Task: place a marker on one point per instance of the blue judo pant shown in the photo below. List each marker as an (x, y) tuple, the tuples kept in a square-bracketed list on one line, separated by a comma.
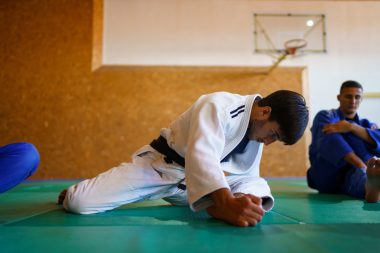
[(18, 161), (326, 178)]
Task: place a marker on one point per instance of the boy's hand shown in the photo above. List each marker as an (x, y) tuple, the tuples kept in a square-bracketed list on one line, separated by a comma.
[(239, 210)]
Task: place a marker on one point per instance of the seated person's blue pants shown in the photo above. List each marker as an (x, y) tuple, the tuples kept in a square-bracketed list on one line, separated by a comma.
[(327, 178), (18, 161)]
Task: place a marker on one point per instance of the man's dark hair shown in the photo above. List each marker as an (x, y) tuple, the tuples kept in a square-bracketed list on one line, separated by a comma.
[(289, 110), (350, 84)]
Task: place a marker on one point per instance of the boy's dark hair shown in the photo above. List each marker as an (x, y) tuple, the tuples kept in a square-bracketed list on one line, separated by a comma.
[(350, 84), (289, 110)]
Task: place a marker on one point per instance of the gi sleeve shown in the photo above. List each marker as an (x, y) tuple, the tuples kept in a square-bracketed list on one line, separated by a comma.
[(374, 132), (375, 135), (252, 185), (203, 171)]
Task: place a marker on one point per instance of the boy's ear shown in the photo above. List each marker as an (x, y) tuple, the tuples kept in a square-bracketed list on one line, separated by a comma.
[(265, 112)]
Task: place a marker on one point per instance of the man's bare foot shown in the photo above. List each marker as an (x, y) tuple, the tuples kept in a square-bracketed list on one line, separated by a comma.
[(373, 172), (62, 196), (373, 180)]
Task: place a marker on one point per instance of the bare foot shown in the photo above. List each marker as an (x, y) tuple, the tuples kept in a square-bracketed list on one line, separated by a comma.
[(373, 172), (62, 197), (373, 180)]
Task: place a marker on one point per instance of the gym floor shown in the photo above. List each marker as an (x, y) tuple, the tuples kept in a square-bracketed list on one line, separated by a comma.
[(301, 221)]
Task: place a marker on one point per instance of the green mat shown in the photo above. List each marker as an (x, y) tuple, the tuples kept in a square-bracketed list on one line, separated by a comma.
[(301, 221)]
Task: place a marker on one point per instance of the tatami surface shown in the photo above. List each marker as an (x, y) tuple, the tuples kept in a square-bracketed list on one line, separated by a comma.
[(302, 221)]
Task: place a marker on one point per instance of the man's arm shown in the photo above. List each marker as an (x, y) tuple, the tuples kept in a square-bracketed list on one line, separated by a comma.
[(239, 209), (344, 126), (331, 147), (354, 160)]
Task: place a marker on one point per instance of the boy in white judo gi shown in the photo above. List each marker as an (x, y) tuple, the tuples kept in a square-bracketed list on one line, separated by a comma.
[(207, 158)]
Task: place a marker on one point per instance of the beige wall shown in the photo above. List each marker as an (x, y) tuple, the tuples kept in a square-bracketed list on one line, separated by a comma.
[(222, 33), (85, 118)]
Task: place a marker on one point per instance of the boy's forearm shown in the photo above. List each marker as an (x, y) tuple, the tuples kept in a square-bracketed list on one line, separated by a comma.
[(221, 196)]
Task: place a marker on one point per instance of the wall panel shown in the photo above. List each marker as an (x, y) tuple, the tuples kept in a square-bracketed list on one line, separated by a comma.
[(84, 118)]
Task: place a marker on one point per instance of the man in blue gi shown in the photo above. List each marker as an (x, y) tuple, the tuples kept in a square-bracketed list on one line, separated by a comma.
[(18, 161), (343, 149)]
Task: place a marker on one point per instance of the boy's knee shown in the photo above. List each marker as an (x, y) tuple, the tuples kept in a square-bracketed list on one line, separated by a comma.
[(75, 202)]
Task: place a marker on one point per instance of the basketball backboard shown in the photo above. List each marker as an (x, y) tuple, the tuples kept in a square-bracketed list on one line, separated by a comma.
[(272, 31)]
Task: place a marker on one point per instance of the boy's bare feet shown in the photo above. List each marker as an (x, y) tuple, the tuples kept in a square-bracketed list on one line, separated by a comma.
[(373, 180), (62, 196)]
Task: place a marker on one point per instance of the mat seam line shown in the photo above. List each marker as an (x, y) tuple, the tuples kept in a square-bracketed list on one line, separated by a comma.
[(30, 216), (289, 217)]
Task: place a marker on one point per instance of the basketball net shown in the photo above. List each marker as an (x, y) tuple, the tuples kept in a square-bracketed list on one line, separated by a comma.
[(291, 47)]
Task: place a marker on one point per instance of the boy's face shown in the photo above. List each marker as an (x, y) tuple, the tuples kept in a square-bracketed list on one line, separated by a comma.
[(349, 100), (264, 131)]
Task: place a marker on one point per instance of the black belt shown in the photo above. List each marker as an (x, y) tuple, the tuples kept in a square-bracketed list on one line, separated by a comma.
[(161, 145)]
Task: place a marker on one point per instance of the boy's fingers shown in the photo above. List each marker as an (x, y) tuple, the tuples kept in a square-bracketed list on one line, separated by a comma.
[(257, 200)]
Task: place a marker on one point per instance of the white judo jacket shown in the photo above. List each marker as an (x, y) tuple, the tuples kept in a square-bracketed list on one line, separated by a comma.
[(205, 134)]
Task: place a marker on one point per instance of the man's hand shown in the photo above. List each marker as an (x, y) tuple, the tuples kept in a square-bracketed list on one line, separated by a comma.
[(342, 126), (240, 210), (355, 160)]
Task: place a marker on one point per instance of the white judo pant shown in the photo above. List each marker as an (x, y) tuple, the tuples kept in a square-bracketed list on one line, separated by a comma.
[(147, 177)]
